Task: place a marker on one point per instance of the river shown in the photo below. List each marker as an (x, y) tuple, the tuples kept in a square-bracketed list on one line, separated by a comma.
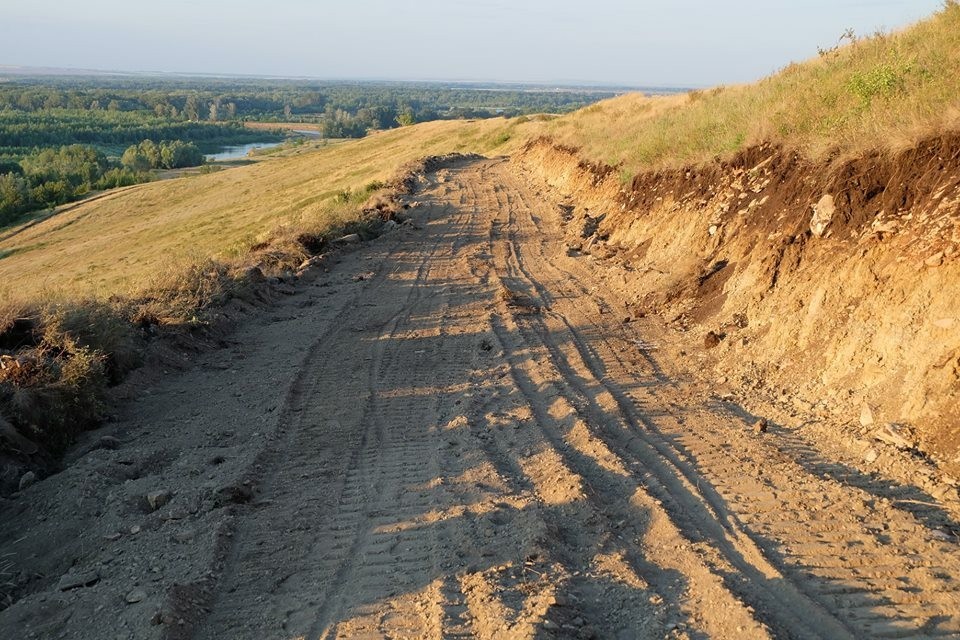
[(239, 151)]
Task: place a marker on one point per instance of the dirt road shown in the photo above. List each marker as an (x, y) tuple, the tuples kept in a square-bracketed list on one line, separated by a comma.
[(455, 433)]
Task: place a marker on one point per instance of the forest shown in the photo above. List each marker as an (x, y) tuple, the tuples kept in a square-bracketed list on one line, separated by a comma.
[(62, 137)]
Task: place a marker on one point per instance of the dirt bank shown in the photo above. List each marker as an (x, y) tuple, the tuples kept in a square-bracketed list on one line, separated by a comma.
[(830, 288)]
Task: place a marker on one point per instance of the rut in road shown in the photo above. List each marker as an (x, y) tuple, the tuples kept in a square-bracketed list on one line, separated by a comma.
[(475, 450)]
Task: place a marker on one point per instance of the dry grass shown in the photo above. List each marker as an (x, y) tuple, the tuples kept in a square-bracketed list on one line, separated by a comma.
[(121, 243), (7, 579), (53, 386), (886, 91)]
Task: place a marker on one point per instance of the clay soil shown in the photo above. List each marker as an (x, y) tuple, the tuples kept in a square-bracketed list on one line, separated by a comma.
[(466, 429)]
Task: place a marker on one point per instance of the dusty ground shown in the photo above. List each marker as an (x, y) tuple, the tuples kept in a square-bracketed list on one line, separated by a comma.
[(459, 432)]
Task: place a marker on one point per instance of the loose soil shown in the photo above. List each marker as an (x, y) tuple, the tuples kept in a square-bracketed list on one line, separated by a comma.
[(462, 430)]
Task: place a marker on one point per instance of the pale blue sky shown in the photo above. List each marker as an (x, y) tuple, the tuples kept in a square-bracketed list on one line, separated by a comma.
[(662, 43)]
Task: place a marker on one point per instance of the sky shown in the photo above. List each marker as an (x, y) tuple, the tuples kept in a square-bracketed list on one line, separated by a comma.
[(679, 43)]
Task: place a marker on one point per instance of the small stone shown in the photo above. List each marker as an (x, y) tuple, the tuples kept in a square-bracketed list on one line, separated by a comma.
[(166, 618), (186, 535), (895, 435), (943, 536), (27, 479), (113, 537), (350, 238), (866, 415), (935, 260), (760, 426), (156, 499), (177, 514), (712, 339), (550, 625), (870, 456), (135, 596), (135, 529), (77, 580)]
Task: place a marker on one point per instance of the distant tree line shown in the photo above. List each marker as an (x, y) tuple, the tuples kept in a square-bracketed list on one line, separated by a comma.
[(343, 109), (61, 137), (51, 177), (21, 130)]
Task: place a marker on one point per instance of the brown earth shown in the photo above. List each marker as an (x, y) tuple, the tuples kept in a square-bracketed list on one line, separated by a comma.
[(479, 426)]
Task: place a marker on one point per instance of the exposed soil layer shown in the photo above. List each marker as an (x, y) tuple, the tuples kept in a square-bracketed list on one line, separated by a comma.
[(835, 285), (464, 430)]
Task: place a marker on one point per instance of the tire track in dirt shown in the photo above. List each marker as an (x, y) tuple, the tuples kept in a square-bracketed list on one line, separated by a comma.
[(395, 554), (564, 553), (340, 445)]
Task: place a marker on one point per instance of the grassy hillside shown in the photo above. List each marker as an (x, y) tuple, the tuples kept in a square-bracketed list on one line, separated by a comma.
[(123, 241), (884, 91)]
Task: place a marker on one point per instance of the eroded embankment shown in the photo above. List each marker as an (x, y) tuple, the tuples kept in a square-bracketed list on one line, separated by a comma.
[(834, 285)]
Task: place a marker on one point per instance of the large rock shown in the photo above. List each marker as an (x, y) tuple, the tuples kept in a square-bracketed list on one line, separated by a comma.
[(896, 435), (158, 498), (822, 215), (27, 479), (75, 580)]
